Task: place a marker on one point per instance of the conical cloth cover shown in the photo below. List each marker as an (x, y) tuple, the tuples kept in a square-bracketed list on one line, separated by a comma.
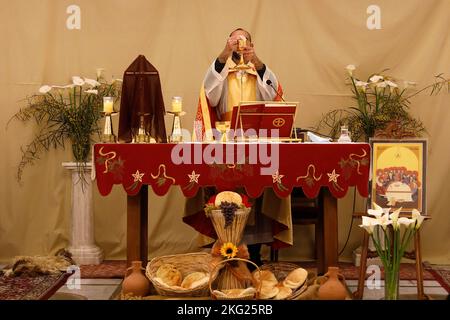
[(141, 94)]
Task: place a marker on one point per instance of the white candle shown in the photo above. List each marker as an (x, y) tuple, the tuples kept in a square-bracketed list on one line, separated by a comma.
[(176, 104), (108, 105)]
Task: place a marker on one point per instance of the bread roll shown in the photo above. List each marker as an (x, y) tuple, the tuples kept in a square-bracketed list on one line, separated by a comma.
[(296, 278), (283, 292), (169, 274), (194, 279), (266, 276), (228, 196), (268, 291)]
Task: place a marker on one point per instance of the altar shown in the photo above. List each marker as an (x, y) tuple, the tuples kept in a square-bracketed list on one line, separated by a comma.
[(328, 168)]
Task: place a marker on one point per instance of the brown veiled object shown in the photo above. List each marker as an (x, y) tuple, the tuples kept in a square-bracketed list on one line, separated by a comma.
[(141, 95)]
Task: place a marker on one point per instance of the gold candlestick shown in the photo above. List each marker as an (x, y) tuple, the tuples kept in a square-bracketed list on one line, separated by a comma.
[(108, 131), (176, 135), (142, 136)]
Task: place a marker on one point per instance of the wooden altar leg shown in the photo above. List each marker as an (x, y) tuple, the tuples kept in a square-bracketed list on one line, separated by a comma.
[(330, 232), (419, 268), (137, 227), (362, 267)]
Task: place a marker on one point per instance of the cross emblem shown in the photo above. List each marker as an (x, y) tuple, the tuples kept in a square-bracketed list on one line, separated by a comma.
[(278, 122)]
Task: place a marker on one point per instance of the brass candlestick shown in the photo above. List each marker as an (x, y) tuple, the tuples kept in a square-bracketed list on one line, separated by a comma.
[(176, 135), (142, 136), (108, 131)]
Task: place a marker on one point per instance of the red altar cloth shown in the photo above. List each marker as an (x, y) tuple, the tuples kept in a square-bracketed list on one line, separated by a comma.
[(311, 166)]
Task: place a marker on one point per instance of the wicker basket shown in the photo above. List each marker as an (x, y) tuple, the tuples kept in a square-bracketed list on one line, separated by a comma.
[(220, 266), (282, 269), (186, 264)]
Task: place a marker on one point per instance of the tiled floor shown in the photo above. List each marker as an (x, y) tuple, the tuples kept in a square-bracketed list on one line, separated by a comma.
[(104, 289)]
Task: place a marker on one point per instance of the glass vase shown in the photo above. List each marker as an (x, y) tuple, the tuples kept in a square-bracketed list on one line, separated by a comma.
[(391, 284)]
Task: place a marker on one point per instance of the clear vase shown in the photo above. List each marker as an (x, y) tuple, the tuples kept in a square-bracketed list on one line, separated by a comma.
[(391, 284)]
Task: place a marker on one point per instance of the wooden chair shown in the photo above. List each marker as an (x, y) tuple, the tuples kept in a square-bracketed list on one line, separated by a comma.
[(306, 211)]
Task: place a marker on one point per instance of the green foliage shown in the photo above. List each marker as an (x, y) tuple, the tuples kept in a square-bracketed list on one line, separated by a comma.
[(379, 102), (65, 114)]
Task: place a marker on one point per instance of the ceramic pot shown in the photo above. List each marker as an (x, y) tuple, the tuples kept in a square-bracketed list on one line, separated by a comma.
[(135, 282), (332, 288)]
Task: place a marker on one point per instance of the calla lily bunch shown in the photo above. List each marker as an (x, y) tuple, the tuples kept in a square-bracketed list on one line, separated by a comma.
[(391, 235), (380, 101), (66, 113)]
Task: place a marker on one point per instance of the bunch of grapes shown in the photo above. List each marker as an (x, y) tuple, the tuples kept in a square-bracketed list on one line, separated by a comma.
[(228, 210)]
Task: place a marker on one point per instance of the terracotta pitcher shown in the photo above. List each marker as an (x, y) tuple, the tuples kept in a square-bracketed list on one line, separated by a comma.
[(332, 288), (135, 283)]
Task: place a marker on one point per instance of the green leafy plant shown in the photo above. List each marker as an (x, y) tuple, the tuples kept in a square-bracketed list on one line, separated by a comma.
[(69, 113), (381, 103)]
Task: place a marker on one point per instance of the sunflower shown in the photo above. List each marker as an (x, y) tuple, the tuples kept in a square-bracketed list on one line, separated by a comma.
[(228, 250)]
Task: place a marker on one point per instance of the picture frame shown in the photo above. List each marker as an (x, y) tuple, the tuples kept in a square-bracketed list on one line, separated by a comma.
[(398, 174)]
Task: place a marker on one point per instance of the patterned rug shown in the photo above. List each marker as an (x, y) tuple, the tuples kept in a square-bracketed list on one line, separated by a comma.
[(442, 276), (117, 268), (30, 288)]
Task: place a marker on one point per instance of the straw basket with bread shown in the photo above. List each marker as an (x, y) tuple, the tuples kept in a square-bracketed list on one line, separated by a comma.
[(181, 275)]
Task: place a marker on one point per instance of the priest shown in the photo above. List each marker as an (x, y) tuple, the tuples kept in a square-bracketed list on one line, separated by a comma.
[(236, 75)]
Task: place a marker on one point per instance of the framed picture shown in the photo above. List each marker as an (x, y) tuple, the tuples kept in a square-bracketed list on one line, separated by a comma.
[(399, 174)]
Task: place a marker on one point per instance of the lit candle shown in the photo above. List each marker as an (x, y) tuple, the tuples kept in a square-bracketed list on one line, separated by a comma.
[(176, 104), (108, 105)]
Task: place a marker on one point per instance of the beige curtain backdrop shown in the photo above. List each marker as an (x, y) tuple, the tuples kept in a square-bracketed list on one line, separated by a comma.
[(306, 43)]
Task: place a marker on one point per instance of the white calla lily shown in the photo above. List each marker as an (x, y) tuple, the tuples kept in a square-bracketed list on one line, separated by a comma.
[(45, 89), (406, 221), (376, 213), (99, 72), (350, 68), (376, 78), (77, 81), (407, 84), (394, 218), (93, 83), (369, 224), (382, 84), (391, 84), (417, 217), (92, 91)]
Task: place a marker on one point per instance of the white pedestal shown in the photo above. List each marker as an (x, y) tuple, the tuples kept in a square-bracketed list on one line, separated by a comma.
[(82, 243)]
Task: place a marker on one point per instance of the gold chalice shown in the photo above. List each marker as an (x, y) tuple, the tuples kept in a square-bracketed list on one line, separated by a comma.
[(223, 127), (242, 43)]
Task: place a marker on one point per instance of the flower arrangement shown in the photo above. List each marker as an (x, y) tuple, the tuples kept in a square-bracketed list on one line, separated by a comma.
[(66, 113), (228, 250), (391, 240), (382, 104)]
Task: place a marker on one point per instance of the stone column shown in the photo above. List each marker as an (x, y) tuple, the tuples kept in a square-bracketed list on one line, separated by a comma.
[(82, 242)]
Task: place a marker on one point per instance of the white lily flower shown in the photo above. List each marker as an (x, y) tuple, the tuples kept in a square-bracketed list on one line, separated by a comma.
[(382, 84), (45, 89), (350, 68), (92, 91), (369, 224), (391, 84), (376, 78), (406, 221), (417, 217), (99, 72), (93, 83), (77, 81), (407, 84), (376, 213), (394, 218)]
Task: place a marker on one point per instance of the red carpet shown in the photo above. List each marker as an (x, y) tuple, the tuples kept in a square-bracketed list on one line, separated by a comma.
[(31, 288), (117, 268)]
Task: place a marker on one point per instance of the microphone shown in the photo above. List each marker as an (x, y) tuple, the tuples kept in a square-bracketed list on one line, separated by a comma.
[(269, 82)]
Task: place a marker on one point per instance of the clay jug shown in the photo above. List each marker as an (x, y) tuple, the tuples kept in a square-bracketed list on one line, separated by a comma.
[(135, 282), (332, 288)]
